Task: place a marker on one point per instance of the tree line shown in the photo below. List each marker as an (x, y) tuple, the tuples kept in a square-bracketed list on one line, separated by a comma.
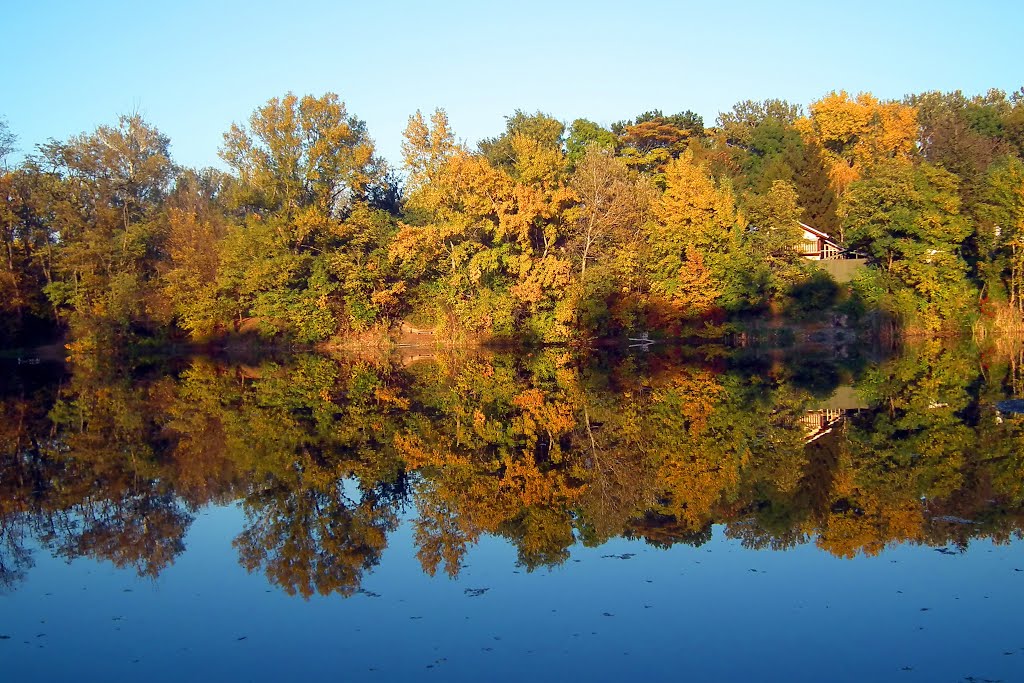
[(548, 231)]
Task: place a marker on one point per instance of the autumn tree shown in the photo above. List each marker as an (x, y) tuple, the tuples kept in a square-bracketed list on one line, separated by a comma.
[(547, 132), (695, 220), (490, 234), (612, 204), (652, 140), (427, 147), (106, 205), (27, 235), (8, 140), (307, 257), (195, 226), (302, 153), (857, 133)]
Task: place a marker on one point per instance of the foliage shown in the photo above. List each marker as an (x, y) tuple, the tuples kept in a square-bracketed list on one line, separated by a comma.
[(544, 233), (907, 219), (324, 455)]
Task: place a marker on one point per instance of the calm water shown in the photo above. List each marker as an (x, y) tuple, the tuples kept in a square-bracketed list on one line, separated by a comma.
[(687, 516)]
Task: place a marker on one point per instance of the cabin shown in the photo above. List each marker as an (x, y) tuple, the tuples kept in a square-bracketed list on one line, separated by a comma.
[(818, 246)]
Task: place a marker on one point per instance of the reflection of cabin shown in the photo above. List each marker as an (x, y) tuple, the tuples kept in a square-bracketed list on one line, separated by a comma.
[(818, 246), (828, 414), (818, 423)]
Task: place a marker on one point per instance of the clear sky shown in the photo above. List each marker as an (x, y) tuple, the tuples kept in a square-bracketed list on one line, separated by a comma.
[(192, 67)]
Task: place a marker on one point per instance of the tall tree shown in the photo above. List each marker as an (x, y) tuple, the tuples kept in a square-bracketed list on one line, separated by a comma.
[(427, 147), (542, 128), (651, 141), (7, 141), (112, 185), (907, 219), (582, 134), (613, 204), (695, 218), (740, 122), (952, 137), (1000, 214), (857, 133), (28, 239), (304, 152)]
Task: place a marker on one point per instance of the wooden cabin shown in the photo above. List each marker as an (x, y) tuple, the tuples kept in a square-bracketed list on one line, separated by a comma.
[(818, 246)]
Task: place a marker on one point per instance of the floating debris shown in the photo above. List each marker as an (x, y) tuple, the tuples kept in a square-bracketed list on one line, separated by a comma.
[(475, 592), (623, 556)]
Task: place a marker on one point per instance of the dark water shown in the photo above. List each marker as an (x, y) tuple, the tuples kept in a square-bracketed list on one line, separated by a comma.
[(679, 516)]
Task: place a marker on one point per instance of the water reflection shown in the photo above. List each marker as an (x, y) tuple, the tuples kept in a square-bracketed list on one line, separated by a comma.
[(326, 455)]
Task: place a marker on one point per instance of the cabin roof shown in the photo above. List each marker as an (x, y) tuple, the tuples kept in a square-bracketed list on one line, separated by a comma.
[(815, 231)]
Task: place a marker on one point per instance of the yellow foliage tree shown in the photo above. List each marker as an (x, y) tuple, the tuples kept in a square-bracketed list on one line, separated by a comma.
[(695, 218), (427, 147), (856, 133)]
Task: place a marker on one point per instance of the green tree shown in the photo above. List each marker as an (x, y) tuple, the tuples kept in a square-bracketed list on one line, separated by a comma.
[(1000, 212), (740, 122), (582, 134), (907, 220)]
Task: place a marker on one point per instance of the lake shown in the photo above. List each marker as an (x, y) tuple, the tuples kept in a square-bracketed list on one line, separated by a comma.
[(700, 514)]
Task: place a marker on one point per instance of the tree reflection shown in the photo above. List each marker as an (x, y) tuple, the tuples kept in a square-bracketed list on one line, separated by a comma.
[(313, 541), (544, 450)]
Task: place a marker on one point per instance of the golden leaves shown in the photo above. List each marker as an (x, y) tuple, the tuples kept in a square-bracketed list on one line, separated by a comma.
[(857, 133)]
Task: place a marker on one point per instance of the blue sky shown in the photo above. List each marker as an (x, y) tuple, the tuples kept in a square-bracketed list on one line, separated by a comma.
[(192, 68)]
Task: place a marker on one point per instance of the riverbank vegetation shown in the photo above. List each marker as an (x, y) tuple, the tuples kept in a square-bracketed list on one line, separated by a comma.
[(548, 232)]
